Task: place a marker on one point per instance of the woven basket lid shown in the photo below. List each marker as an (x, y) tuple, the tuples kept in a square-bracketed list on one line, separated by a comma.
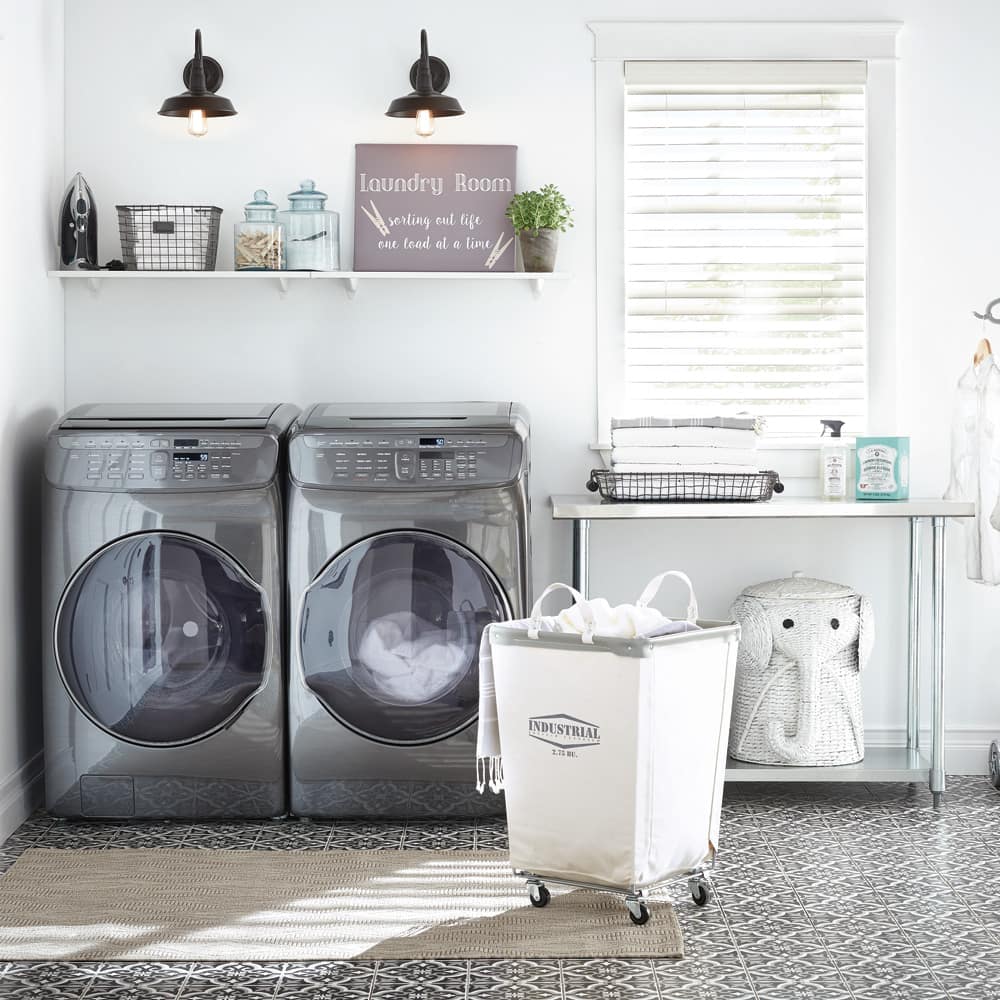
[(798, 587)]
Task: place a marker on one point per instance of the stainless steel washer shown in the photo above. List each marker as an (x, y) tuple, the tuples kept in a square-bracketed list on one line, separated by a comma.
[(163, 575), (408, 534)]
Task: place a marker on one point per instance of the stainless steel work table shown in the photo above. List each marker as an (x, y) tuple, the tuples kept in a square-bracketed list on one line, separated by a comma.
[(881, 763)]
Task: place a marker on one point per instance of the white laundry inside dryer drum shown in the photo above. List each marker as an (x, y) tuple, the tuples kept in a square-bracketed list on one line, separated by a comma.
[(407, 660)]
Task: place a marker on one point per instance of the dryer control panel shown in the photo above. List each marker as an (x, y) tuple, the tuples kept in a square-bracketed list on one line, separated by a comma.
[(160, 460), (407, 460)]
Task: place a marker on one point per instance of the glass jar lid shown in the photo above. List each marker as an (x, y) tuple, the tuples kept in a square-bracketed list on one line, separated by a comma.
[(260, 209), (307, 198)]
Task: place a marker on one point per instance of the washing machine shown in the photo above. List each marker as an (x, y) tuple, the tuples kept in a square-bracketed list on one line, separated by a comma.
[(408, 535), (164, 582)]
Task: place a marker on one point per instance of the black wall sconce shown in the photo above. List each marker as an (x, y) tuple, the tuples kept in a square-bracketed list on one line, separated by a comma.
[(429, 78), (202, 77)]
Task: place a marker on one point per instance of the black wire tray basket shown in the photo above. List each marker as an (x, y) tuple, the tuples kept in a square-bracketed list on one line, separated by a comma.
[(684, 487), (169, 237)]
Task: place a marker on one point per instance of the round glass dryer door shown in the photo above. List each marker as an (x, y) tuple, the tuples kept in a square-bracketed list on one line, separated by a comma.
[(390, 635), (161, 639)]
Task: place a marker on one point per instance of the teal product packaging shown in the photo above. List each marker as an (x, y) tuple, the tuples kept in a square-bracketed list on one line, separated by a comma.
[(883, 468)]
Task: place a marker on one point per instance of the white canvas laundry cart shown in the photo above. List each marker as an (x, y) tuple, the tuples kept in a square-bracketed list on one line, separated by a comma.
[(614, 754)]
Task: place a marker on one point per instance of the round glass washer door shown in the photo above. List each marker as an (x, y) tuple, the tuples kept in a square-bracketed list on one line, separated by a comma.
[(389, 635), (161, 639)]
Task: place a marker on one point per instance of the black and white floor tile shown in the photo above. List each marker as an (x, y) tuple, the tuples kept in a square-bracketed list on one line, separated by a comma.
[(830, 892)]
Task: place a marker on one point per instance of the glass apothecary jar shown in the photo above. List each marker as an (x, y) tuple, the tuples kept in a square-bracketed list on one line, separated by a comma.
[(260, 238), (312, 234)]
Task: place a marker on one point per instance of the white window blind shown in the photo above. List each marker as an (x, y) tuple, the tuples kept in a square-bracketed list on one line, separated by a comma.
[(745, 235)]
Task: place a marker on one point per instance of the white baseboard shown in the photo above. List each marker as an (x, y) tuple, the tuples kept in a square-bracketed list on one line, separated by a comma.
[(21, 794), (966, 750)]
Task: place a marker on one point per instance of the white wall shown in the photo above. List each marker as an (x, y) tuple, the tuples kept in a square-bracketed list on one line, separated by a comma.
[(31, 370), (524, 75)]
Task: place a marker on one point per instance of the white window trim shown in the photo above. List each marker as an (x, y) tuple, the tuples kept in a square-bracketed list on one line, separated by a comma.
[(617, 42)]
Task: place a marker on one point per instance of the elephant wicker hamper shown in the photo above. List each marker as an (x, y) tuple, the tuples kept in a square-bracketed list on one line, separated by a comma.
[(798, 675)]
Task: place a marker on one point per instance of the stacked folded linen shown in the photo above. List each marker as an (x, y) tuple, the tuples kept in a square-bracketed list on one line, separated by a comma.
[(685, 444)]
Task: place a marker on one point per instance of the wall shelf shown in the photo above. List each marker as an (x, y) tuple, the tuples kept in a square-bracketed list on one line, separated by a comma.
[(351, 280)]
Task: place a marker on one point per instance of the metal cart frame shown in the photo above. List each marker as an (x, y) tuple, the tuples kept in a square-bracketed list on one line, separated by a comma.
[(636, 899), (907, 763)]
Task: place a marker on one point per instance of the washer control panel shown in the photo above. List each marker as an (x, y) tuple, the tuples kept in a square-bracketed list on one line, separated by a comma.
[(160, 460), (410, 460)]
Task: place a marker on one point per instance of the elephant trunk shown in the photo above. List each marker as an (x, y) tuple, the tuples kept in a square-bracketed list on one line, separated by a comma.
[(799, 749)]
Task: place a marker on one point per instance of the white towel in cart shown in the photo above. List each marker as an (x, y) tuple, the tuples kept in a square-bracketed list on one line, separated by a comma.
[(596, 617)]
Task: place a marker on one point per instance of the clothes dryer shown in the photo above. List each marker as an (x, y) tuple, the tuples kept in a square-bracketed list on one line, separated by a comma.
[(408, 535), (163, 575)]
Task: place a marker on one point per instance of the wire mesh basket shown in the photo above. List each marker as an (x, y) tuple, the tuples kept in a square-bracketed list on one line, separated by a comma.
[(684, 487), (169, 237)]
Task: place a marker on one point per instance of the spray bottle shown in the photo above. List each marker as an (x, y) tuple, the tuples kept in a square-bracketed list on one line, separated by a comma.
[(833, 461)]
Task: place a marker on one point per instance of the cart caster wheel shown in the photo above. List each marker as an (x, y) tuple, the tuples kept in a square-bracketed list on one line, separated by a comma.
[(995, 764), (539, 894), (638, 911), (700, 892)]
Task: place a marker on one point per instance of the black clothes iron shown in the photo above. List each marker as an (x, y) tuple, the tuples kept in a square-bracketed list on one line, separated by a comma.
[(78, 227)]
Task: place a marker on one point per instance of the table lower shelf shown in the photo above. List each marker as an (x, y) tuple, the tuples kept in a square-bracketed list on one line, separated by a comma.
[(880, 764)]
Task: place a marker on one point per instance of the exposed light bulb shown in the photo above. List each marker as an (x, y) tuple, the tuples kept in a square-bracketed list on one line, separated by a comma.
[(197, 122), (425, 122)]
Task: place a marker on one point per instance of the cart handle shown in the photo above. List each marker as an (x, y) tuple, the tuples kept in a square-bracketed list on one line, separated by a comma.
[(654, 585), (537, 609)]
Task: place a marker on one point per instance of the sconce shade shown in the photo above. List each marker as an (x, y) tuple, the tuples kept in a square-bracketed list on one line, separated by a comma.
[(202, 77), (429, 76)]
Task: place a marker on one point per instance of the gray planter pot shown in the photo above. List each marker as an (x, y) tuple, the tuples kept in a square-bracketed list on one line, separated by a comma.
[(539, 252)]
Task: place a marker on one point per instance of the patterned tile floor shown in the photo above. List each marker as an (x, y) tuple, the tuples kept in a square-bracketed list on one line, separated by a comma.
[(823, 892)]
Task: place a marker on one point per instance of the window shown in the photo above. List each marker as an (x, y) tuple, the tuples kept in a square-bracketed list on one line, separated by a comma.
[(745, 240), (745, 221)]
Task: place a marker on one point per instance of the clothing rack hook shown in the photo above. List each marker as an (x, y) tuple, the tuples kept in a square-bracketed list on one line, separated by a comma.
[(988, 312)]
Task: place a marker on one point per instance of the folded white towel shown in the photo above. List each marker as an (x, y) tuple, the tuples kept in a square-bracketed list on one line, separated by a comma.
[(705, 437), (683, 456), (743, 420), (683, 469)]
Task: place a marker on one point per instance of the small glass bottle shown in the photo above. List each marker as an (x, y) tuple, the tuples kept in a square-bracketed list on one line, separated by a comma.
[(312, 233), (260, 238)]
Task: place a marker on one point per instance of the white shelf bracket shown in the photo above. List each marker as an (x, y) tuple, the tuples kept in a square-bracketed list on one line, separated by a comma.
[(537, 284), (282, 285), (94, 284), (351, 285)]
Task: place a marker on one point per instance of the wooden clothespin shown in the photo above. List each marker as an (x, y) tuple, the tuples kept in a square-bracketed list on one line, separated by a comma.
[(983, 350)]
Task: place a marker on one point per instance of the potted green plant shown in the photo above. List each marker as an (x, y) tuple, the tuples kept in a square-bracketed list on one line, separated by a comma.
[(539, 217)]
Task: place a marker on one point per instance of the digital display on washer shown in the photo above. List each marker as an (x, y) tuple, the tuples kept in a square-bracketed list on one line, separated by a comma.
[(190, 456), (185, 442), (437, 454), (432, 442)]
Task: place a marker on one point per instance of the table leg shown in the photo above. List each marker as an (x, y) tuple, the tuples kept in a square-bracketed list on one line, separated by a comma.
[(581, 554), (913, 641), (937, 777)]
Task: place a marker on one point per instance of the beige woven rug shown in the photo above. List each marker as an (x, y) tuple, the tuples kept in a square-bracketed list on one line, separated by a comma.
[(219, 906)]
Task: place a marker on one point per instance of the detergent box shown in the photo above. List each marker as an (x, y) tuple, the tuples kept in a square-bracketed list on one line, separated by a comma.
[(882, 468)]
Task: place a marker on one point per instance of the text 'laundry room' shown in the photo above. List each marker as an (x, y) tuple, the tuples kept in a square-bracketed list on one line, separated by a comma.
[(502, 502)]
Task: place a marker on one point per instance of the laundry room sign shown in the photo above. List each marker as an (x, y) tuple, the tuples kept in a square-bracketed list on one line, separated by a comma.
[(433, 208)]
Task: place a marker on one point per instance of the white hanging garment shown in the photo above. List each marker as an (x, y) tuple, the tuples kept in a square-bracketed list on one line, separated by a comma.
[(975, 467)]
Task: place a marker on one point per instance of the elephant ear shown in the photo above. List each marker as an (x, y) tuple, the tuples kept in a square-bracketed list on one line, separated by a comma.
[(755, 632), (866, 632)]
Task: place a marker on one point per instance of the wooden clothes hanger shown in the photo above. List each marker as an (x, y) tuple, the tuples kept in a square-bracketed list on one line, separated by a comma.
[(983, 348)]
